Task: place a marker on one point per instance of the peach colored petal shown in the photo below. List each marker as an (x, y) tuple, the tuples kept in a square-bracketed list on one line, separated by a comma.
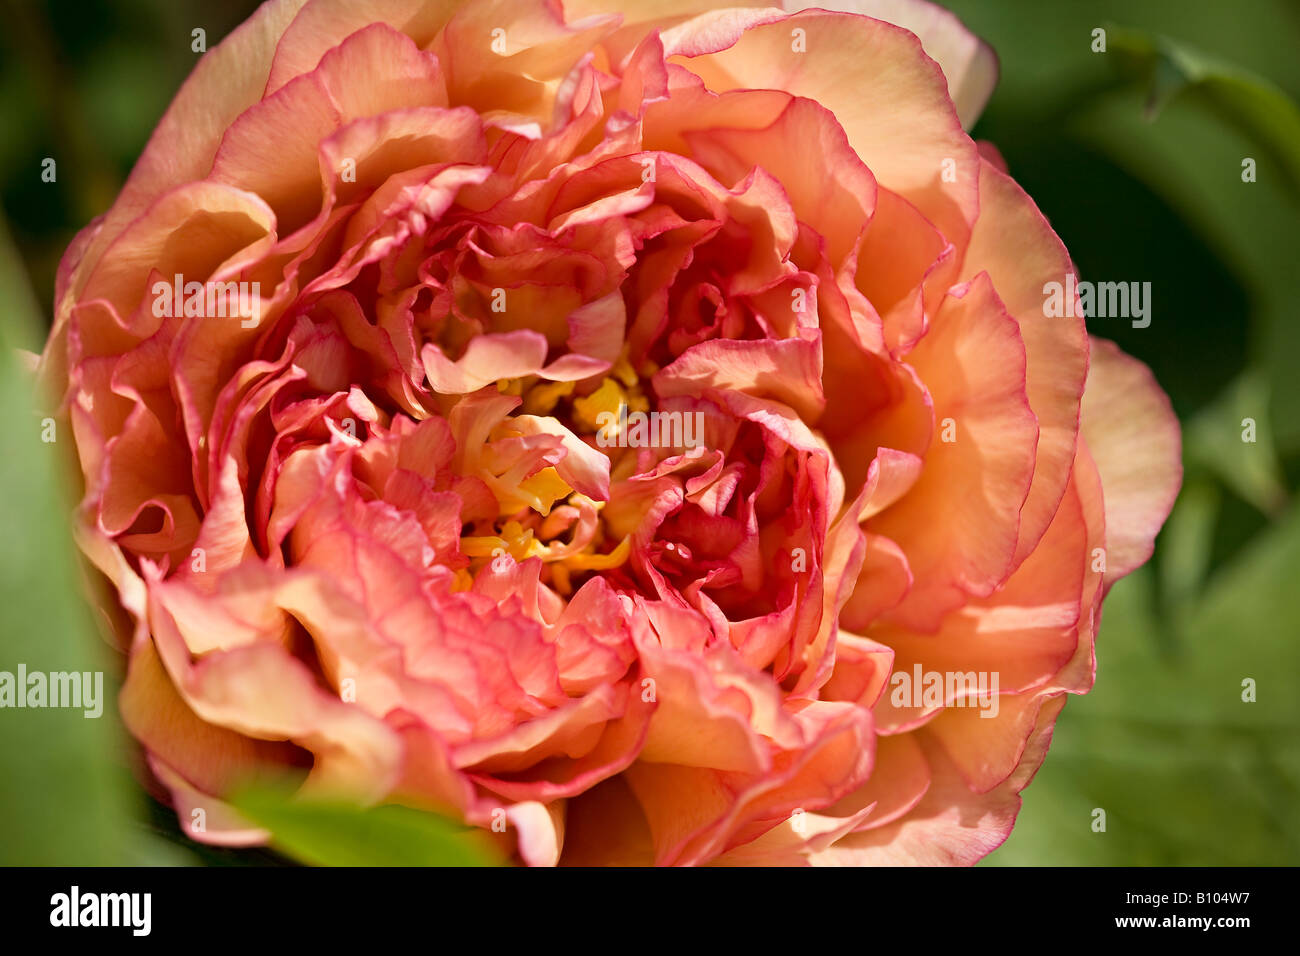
[(218, 223), (563, 775), (582, 467), (378, 69), (1026, 632), (429, 778), (699, 723), (904, 267), (227, 80), (605, 826), (1014, 244), (891, 475), (1134, 439), (838, 201), (968, 62), (790, 842), (323, 24), (950, 825), (882, 583), (645, 11), (899, 779), (787, 370), (708, 31), (221, 823), (223, 540), (958, 525), (696, 813), (208, 757), (889, 412), (862, 669), (572, 729), (517, 87), (987, 750), (1078, 674), (539, 830), (262, 691), (488, 358), (903, 131)]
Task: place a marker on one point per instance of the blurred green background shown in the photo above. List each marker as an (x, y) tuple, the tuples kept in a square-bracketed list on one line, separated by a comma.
[(1134, 154)]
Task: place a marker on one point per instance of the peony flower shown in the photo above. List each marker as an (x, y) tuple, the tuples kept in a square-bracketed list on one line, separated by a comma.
[(634, 430)]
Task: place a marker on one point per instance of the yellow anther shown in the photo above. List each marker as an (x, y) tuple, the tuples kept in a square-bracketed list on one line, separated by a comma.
[(600, 562), (624, 372), (514, 540), (511, 386), (607, 398), (481, 547), (542, 398), (544, 488), (560, 578)]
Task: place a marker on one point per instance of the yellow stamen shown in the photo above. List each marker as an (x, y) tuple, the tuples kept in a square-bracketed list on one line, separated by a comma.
[(601, 562), (545, 488), (607, 398), (560, 578), (540, 492), (624, 372), (481, 547), (542, 398)]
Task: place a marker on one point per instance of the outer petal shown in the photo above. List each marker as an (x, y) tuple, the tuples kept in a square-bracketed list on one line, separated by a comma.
[(968, 62), (227, 80), (904, 130), (1016, 246), (951, 825), (958, 524), (323, 24), (222, 825), (1135, 442)]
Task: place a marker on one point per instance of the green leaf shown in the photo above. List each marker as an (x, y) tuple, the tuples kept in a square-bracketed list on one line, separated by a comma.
[(1233, 439), (1188, 538), (327, 833), (20, 322), (1241, 98), (66, 798)]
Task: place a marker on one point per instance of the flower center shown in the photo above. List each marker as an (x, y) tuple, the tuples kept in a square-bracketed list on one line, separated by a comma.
[(540, 515)]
